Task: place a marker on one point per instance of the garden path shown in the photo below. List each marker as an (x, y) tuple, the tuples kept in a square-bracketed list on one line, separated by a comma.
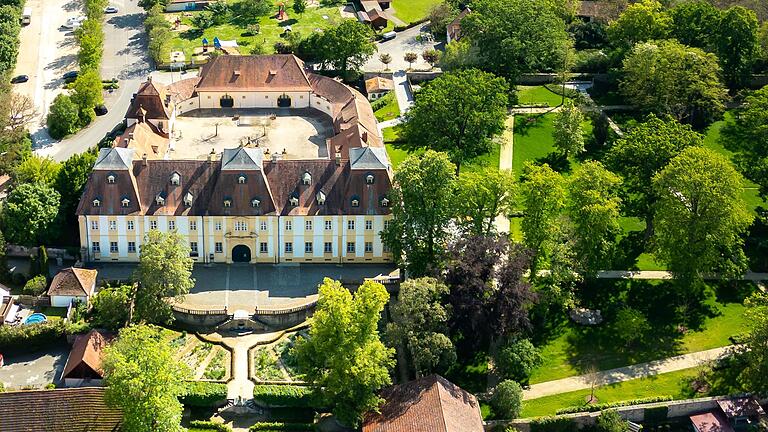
[(402, 91), (625, 373), (505, 164)]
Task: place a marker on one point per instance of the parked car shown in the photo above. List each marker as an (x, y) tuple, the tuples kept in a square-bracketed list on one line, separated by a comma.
[(110, 9), (19, 79), (100, 110), (388, 36), (70, 76)]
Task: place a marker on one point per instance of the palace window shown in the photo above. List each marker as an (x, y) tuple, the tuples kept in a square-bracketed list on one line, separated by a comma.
[(217, 226), (171, 225), (369, 225), (328, 225), (384, 202), (263, 225), (263, 247), (355, 202), (369, 179), (255, 202), (227, 203), (97, 203), (308, 225), (125, 202), (218, 247), (350, 247), (131, 247), (288, 247), (193, 225), (129, 225), (95, 247), (306, 179), (112, 225), (350, 224), (193, 249), (368, 247), (111, 179), (241, 179), (112, 247), (320, 198), (160, 200), (307, 247), (328, 248), (153, 225), (288, 225), (94, 225), (175, 179)]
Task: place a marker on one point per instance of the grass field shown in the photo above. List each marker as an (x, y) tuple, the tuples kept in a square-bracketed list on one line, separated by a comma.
[(389, 111), (537, 95), (668, 384), (412, 10)]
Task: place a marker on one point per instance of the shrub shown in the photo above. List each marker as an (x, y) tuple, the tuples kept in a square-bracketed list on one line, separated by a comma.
[(285, 395), (28, 338), (610, 421), (553, 424), (203, 394), (209, 425), (36, 286), (517, 360), (280, 427), (507, 399), (608, 405)]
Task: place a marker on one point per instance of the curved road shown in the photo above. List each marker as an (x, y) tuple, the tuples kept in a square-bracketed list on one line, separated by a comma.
[(125, 58)]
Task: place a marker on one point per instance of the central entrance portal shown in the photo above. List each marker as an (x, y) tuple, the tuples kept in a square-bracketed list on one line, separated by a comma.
[(284, 101), (241, 253)]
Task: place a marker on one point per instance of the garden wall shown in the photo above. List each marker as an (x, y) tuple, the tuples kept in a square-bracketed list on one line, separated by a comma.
[(200, 319)]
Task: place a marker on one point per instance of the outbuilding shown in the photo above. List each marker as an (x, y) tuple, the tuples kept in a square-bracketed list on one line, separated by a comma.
[(72, 284)]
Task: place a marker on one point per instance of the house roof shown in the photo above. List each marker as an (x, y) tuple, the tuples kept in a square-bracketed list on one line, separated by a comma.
[(454, 28), (114, 159), (73, 281), (144, 139), (60, 410), (600, 10), (242, 158), (86, 352), (429, 404), (712, 421), (741, 407), (150, 102), (379, 84), (367, 158), (278, 72)]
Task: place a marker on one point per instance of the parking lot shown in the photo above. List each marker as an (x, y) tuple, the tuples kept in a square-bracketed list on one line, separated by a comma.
[(36, 369)]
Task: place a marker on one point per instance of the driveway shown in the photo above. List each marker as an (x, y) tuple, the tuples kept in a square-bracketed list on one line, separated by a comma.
[(405, 41), (36, 369), (125, 58)]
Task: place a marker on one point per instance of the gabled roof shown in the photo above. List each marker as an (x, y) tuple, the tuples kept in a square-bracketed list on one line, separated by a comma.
[(379, 84), (277, 72), (144, 139), (367, 158), (429, 404), (73, 281), (86, 356), (61, 410), (114, 159), (242, 159)]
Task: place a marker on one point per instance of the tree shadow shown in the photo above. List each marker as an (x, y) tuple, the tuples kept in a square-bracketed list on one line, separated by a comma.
[(191, 34), (525, 124), (557, 161), (628, 250), (288, 22)]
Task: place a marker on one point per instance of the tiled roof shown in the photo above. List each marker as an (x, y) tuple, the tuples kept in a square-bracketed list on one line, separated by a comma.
[(73, 281), (711, 421), (183, 89), (378, 84), (242, 158), (144, 139), (85, 358), (149, 101), (114, 159), (367, 158), (60, 410), (278, 72), (429, 404)]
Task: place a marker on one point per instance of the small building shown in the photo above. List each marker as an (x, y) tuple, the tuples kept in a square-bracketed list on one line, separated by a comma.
[(60, 410), (83, 368), (429, 404), (72, 284), (598, 11), (372, 13), (185, 5), (731, 414), (453, 31), (377, 87)]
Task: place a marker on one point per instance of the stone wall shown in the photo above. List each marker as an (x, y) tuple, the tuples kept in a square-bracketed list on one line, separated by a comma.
[(200, 319)]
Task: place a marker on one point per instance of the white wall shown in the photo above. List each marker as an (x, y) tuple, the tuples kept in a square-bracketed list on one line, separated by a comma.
[(253, 99), (64, 301)]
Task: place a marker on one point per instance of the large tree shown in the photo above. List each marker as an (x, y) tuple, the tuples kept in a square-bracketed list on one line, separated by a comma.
[(144, 379), (747, 134), (63, 117), (669, 78), (87, 93), (694, 22), (593, 209), (700, 215), (419, 324), (164, 271), (516, 36), (640, 22), (70, 183), (347, 46), (754, 377), (643, 152), (568, 133), (736, 45), (483, 195), (343, 353), (111, 305), (29, 214), (458, 113), (37, 169), (542, 194), (422, 209)]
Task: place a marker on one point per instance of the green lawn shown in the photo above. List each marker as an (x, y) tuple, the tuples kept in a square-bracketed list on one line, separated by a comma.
[(389, 111), (412, 10), (668, 384), (53, 313), (537, 95), (270, 30), (533, 140)]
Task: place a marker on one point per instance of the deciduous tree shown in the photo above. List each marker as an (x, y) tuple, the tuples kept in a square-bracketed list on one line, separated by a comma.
[(568, 133), (347, 46), (755, 375), (458, 113), (37, 169), (70, 182), (343, 353), (63, 117), (410, 57), (694, 23), (507, 399), (164, 271), (517, 359), (483, 195), (111, 305), (144, 379), (87, 93), (299, 6), (385, 59), (542, 194), (640, 22), (29, 214), (747, 134), (736, 45)]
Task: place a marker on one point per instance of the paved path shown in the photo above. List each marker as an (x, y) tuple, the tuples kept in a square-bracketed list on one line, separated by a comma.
[(390, 123), (402, 91), (661, 274), (505, 164), (240, 385), (612, 376)]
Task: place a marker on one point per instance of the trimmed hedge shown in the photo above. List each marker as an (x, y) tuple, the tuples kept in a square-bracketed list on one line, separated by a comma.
[(209, 425), (553, 424), (608, 405), (203, 394), (285, 395), (28, 338), (281, 427)]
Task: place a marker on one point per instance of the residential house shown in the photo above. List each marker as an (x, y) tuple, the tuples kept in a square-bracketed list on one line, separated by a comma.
[(372, 13), (453, 31), (377, 87), (72, 284), (731, 414), (83, 367)]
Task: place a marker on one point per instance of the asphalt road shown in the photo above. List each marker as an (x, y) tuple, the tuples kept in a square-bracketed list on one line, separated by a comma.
[(125, 58)]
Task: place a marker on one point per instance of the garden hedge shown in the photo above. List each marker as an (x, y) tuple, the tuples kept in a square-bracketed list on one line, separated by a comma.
[(281, 427), (28, 338), (605, 406), (209, 425), (553, 424), (203, 394), (285, 396)]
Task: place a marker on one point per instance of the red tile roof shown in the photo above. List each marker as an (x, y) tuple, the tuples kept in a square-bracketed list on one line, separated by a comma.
[(84, 360), (429, 404), (712, 421), (278, 72), (61, 410)]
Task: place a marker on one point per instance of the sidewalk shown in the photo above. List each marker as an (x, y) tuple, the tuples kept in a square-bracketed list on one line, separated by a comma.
[(505, 164), (626, 373)]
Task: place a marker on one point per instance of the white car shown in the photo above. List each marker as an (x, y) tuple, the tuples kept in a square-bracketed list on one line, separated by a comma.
[(110, 9)]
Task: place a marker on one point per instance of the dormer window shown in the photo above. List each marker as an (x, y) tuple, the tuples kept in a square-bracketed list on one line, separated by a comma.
[(384, 202), (255, 202), (125, 202), (369, 179), (175, 179), (97, 202), (160, 200), (294, 201), (355, 202), (306, 179), (227, 203), (320, 198), (241, 179), (111, 179), (188, 199)]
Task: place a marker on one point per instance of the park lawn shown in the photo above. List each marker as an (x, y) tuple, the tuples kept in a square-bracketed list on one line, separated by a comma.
[(270, 30), (537, 95), (669, 384), (410, 11), (390, 111), (533, 140)]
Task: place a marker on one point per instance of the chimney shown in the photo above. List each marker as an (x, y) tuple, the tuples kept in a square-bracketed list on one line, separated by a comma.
[(130, 135), (149, 78), (144, 159), (338, 158), (365, 136), (211, 155)]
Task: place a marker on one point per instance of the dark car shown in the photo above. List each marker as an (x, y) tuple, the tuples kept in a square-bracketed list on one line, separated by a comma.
[(70, 76), (20, 79), (100, 110)]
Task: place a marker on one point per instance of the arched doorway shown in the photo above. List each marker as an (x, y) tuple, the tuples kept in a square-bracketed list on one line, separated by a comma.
[(284, 101), (226, 101), (241, 253)]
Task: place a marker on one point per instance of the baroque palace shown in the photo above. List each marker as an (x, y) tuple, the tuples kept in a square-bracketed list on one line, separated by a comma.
[(243, 203)]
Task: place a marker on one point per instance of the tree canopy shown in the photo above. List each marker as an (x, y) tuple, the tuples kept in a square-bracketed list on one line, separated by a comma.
[(736, 44), (640, 22), (343, 353), (458, 113), (29, 214), (755, 375), (37, 169), (345, 47), (568, 132), (747, 133), (483, 195), (542, 194)]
